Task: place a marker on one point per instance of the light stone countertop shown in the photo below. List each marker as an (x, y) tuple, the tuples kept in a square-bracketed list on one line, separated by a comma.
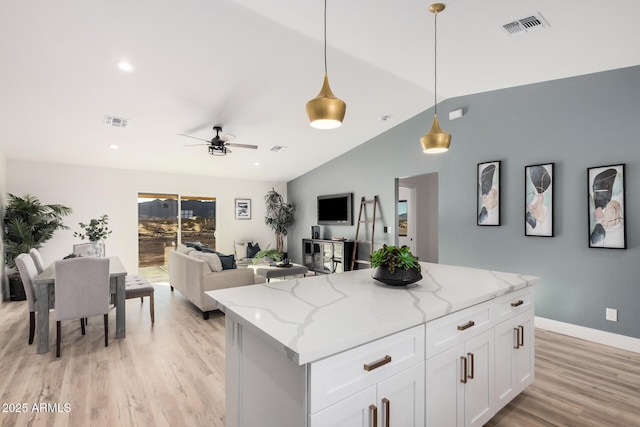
[(315, 317)]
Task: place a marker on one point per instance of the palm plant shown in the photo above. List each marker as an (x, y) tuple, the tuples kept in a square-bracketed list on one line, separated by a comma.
[(29, 224), (279, 216)]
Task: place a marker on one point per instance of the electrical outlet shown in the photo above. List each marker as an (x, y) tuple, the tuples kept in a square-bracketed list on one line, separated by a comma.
[(612, 314)]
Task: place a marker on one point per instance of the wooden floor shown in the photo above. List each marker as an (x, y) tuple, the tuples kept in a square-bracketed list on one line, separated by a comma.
[(172, 374)]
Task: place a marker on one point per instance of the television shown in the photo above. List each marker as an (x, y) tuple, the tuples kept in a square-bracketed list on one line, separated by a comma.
[(335, 209)]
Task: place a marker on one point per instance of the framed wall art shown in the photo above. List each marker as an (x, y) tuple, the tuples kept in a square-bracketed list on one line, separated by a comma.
[(243, 208), (488, 207), (606, 189), (538, 204)]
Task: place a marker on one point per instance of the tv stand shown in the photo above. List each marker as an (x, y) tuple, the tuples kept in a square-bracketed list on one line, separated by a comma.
[(327, 256)]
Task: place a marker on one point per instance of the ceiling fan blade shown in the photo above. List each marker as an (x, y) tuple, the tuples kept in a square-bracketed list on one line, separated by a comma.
[(253, 147), (194, 137), (194, 145)]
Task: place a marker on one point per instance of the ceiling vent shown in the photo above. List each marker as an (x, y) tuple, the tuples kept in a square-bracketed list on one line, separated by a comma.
[(528, 24), (117, 122), (277, 148)]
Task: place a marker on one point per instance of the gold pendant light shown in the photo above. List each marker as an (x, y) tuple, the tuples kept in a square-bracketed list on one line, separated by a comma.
[(325, 110), (436, 140)]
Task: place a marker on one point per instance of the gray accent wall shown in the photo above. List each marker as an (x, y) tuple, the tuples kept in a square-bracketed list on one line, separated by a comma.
[(579, 122)]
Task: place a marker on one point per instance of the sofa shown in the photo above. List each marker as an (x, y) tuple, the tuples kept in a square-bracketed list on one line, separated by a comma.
[(192, 272)]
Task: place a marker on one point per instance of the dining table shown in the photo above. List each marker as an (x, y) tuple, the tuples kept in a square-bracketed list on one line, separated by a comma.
[(44, 284)]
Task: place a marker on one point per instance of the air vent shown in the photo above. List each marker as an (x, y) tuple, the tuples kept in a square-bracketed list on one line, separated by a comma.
[(117, 122), (277, 148), (528, 24)]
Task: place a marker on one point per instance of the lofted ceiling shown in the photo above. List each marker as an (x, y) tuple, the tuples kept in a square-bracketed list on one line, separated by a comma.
[(251, 66)]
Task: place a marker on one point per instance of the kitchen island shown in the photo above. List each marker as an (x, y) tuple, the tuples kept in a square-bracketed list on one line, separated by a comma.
[(343, 349)]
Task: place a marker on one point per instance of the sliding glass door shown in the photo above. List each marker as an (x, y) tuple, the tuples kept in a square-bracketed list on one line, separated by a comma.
[(165, 220)]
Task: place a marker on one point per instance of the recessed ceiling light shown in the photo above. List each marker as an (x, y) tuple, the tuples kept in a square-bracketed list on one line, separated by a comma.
[(114, 146), (256, 164), (125, 66)]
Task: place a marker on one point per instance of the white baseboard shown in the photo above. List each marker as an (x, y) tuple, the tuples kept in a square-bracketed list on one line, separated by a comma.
[(607, 338)]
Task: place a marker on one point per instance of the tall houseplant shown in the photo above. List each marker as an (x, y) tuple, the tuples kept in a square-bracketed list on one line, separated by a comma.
[(29, 224), (279, 216)]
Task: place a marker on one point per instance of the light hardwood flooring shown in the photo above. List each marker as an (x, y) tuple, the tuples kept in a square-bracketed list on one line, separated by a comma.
[(172, 374)]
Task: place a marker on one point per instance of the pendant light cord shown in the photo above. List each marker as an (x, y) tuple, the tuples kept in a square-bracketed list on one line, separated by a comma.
[(325, 37), (435, 63)]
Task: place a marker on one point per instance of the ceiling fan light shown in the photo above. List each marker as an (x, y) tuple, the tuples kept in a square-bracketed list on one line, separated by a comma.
[(326, 111), (436, 140)]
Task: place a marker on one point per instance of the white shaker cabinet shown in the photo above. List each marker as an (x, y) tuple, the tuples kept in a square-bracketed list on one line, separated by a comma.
[(514, 355), (395, 402), (459, 387)]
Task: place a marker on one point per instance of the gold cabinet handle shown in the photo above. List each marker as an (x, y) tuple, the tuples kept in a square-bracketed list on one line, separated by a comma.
[(386, 405), (467, 325), (517, 303), (472, 365), (521, 336), (376, 365), (374, 415), (516, 339), (463, 361)]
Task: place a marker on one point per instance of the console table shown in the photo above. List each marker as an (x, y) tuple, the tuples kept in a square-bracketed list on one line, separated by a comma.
[(327, 256)]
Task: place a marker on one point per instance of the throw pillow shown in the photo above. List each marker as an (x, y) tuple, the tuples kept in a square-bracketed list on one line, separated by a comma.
[(252, 249), (211, 259), (183, 249), (240, 249), (228, 261)]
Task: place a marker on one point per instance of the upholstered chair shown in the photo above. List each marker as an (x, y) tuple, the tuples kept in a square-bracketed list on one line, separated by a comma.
[(37, 259), (28, 272), (84, 249), (82, 290)]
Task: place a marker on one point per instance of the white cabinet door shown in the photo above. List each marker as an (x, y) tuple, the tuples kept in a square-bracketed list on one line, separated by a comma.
[(478, 401), (459, 388), (444, 394), (514, 353), (401, 399), (354, 411)]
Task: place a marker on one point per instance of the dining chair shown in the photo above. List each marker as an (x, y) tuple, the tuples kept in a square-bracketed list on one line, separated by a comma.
[(27, 270), (84, 249), (37, 259), (82, 290)]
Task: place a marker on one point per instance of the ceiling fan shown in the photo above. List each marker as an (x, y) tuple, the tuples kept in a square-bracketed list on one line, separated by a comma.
[(219, 143)]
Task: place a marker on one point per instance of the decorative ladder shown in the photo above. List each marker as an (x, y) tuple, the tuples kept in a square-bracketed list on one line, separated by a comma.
[(363, 208)]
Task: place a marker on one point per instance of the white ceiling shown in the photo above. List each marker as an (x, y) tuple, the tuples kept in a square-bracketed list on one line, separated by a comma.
[(251, 65)]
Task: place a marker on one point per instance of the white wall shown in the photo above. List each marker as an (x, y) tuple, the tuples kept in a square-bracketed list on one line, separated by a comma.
[(4, 285), (92, 192)]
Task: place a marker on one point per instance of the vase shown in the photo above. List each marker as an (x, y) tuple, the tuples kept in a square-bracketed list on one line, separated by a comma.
[(98, 248), (399, 278)]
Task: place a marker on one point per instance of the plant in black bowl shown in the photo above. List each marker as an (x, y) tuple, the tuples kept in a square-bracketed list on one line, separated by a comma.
[(395, 265)]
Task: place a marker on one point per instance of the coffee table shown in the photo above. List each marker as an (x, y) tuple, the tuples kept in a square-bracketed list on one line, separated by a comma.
[(269, 271)]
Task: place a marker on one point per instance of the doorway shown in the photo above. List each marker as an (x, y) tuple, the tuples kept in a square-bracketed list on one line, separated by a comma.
[(421, 195)]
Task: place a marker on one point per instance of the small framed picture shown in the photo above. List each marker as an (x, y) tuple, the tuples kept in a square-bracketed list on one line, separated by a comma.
[(607, 228), (538, 203), (243, 208), (488, 207)]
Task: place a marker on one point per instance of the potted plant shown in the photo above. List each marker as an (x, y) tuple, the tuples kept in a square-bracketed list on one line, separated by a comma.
[(395, 265), (267, 255), (28, 224), (279, 216), (96, 231)]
